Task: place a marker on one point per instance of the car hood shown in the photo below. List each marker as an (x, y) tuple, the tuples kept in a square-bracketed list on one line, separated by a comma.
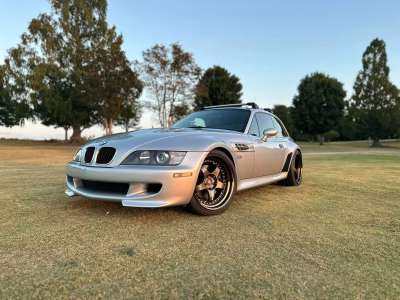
[(169, 139), (140, 137)]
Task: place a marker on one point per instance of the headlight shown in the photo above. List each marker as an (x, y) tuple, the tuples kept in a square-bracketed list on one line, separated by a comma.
[(154, 158), (77, 156), (144, 157), (162, 157)]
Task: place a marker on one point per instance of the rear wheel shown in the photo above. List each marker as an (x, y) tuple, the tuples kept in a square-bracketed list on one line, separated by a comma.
[(215, 186), (295, 173)]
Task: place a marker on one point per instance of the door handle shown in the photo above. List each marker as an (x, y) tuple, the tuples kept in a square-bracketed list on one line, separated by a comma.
[(281, 146)]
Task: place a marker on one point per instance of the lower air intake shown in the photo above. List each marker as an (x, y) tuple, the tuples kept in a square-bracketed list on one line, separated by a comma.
[(111, 187), (105, 155)]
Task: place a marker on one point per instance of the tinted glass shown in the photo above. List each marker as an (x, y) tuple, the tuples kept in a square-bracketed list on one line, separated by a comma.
[(229, 119), (281, 133), (264, 122), (254, 128)]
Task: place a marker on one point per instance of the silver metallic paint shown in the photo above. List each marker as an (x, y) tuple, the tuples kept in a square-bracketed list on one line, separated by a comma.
[(254, 167)]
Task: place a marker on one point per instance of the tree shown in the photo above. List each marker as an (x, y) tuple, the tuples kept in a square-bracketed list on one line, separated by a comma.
[(114, 85), (319, 104), (218, 87), (375, 101), (331, 135), (129, 115), (51, 61), (180, 111), (169, 75), (397, 121), (8, 116), (13, 109), (283, 113)]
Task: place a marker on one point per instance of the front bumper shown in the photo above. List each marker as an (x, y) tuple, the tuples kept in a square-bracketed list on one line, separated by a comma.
[(174, 190)]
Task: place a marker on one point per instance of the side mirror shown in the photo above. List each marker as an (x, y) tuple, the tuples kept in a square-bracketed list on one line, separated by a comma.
[(268, 133)]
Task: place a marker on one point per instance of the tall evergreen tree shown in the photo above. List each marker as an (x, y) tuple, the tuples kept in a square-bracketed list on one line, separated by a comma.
[(319, 104), (217, 87), (375, 101)]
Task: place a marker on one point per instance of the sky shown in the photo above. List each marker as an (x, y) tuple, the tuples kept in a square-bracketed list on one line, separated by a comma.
[(269, 45)]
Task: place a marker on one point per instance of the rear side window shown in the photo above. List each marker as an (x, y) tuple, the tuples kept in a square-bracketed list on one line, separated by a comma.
[(281, 132), (264, 122), (254, 128)]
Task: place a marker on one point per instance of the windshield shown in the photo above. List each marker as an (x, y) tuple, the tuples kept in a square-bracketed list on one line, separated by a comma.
[(228, 119)]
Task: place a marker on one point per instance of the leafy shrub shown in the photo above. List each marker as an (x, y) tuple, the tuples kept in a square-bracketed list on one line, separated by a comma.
[(331, 135)]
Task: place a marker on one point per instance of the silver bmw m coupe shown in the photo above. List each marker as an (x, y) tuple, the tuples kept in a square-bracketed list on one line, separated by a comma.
[(199, 162)]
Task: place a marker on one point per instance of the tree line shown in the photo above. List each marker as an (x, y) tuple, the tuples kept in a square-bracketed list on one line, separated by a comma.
[(321, 109), (69, 71)]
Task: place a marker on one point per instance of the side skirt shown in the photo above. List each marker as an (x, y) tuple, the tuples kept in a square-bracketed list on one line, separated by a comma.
[(253, 182)]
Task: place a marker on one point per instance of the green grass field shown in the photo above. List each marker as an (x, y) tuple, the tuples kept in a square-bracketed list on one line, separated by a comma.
[(335, 236)]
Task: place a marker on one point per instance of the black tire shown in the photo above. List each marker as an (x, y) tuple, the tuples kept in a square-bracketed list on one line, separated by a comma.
[(216, 185), (295, 173)]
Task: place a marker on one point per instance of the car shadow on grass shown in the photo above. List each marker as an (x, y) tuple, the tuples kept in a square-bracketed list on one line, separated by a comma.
[(84, 206)]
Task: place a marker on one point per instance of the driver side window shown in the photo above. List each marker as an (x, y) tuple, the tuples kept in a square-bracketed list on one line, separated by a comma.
[(254, 128), (264, 122), (278, 127)]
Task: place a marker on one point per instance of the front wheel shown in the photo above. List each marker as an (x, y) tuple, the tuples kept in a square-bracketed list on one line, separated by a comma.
[(216, 185)]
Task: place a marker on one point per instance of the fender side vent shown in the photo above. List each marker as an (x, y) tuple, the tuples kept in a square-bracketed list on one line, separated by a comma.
[(287, 163), (243, 147)]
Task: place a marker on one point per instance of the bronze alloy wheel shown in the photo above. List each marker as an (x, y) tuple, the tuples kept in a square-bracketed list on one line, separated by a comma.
[(215, 186)]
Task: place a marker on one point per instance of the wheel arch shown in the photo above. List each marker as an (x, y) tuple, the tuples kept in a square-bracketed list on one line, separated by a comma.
[(227, 152), (289, 158)]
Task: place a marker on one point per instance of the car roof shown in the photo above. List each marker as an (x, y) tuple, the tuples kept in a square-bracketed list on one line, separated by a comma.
[(254, 107), (243, 108)]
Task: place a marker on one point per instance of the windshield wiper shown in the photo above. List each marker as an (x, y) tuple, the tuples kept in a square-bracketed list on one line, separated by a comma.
[(198, 127)]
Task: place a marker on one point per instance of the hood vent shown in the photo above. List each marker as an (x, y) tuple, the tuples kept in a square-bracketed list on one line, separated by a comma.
[(105, 155)]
